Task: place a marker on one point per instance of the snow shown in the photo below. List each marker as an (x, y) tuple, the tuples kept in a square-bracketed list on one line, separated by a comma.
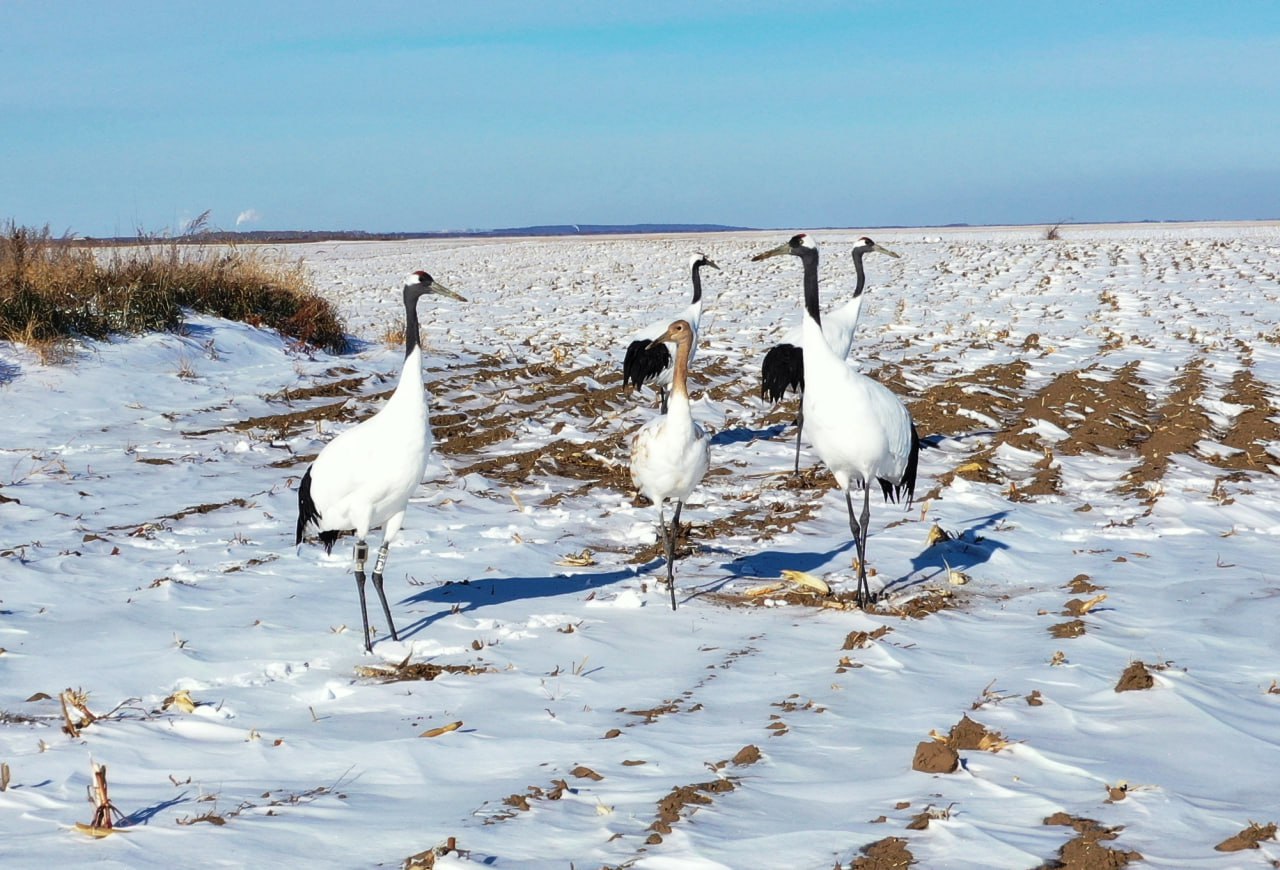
[(147, 548)]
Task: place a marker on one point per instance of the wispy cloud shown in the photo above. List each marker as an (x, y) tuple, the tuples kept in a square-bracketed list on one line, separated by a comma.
[(248, 216)]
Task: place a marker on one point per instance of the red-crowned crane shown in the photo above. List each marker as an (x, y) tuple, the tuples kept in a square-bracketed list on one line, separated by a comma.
[(861, 431), (363, 478), (670, 454), (649, 361), (783, 367)]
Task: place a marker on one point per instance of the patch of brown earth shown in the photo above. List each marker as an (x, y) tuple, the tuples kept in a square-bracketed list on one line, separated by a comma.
[(523, 802), (1096, 414), (327, 390), (674, 804), (1136, 677), (1253, 428), (1071, 628), (1081, 585), (891, 853), (934, 757), (991, 391), (1176, 426), (862, 639), (1249, 838), (425, 671), (1086, 851)]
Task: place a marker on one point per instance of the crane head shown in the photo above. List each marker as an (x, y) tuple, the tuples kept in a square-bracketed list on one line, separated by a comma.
[(679, 331), (419, 284), (866, 246), (798, 245)]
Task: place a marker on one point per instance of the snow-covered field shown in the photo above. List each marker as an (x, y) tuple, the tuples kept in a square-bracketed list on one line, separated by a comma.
[(1104, 405)]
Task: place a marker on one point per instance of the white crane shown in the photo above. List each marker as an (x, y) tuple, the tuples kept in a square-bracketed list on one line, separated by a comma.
[(783, 367), (649, 361), (861, 431), (363, 478), (670, 454)]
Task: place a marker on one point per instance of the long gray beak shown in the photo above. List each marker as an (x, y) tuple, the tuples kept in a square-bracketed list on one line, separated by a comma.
[(441, 290), (882, 249), (772, 252), (713, 264)]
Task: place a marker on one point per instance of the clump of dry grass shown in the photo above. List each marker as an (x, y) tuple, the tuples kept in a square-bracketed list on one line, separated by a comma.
[(52, 289)]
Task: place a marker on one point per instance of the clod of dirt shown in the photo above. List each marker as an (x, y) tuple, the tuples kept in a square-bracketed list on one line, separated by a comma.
[(1134, 678), (891, 853), (1080, 585), (968, 734), (698, 794), (934, 757), (748, 754), (612, 733), (919, 821), (582, 772), (519, 801), (1034, 699), (1071, 628), (1086, 851), (1248, 838), (1079, 607), (860, 639), (1117, 792), (406, 670)]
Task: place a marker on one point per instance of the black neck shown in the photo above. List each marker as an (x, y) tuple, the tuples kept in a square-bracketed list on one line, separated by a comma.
[(809, 257), (862, 276), (697, 281), (411, 297)]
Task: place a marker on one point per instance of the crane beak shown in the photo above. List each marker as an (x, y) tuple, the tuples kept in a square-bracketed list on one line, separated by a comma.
[(666, 336), (713, 264), (772, 252), (440, 290), (882, 249)]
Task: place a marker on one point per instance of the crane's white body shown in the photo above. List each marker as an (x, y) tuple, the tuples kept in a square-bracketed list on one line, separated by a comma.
[(859, 428), (670, 454), (364, 478)]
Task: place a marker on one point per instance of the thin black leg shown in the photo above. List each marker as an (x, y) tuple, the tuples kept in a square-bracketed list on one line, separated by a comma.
[(377, 584), (662, 391), (799, 429), (866, 529), (361, 554), (671, 553), (662, 529), (858, 542)]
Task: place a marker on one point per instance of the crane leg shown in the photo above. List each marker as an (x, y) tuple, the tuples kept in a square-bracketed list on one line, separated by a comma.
[(662, 391), (859, 543), (378, 567), (361, 554), (799, 429), (671, 553), (865, 587)]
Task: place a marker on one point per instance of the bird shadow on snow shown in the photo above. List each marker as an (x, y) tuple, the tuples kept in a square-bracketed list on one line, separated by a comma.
[(744, 434), (965, 550), (146, 814), (467, 594), (769, 564), (8, 372)]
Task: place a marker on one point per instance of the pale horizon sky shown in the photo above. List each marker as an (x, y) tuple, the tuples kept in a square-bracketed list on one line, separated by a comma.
[(404, 116)]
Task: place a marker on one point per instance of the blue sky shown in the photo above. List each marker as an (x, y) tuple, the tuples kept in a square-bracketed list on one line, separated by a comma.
[(116, 117)]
